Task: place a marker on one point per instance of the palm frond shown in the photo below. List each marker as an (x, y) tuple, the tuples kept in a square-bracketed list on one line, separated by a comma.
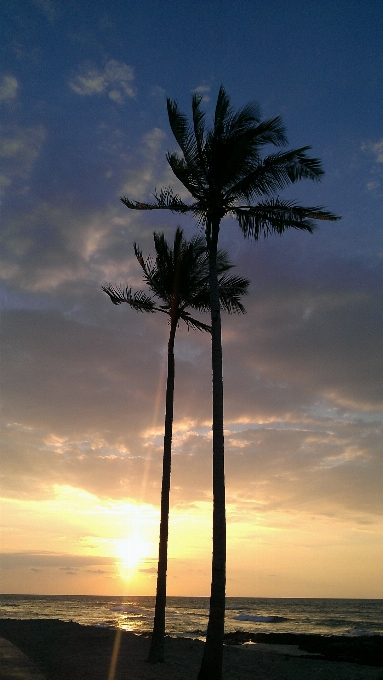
[(223, 262), (222, 112), (263, 180), (273, 173), (190, 141), (168, 200), (139, 256), (199, 135), (138, 205), (164, 200), (193, 323), (297, 164), (189, 173), (271, 131), (231, 289), (276, 215), (181, 130), (150, 272), (138, 300), (239, 122)]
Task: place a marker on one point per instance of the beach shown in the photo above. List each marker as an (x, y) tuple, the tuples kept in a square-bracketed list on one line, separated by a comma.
[(63, 650)]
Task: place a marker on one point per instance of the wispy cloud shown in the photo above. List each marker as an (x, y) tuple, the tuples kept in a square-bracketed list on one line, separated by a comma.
[(149, 570), (375, 148), (8, 88), (19, 148), (115, 80), (204, 91), (147, 169), (41, 559)]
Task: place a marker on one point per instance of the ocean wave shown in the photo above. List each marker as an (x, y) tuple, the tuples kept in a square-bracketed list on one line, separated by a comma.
[(259, 618), (125, 609), (353, 618), (333, 622)]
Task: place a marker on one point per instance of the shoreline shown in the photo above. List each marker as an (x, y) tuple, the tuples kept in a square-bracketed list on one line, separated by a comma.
[(66, 649)]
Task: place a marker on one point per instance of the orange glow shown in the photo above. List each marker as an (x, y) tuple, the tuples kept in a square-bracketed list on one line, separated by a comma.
[(131, 552)]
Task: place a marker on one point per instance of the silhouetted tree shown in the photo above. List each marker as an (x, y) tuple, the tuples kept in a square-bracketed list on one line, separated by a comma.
[(178, 279), (225, 172)]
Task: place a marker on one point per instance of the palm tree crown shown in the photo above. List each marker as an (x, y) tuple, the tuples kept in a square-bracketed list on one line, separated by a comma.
[(224, 171), (178, 278)]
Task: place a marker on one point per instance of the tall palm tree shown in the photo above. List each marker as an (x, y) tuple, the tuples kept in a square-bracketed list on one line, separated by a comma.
[(179, 279), (225, 172)]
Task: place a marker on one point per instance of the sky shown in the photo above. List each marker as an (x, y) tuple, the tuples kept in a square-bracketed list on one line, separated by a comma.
[(83, 90)]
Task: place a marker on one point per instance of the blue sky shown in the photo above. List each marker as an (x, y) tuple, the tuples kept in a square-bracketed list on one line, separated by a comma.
[(83, 91)]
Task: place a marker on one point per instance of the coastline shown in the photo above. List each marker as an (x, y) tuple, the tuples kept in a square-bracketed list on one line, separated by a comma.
[(67, 649)]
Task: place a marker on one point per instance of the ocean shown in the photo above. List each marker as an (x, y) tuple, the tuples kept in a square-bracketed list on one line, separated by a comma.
[(187, 616)]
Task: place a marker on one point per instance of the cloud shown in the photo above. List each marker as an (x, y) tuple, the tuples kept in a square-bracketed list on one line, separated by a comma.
[(372, 186), (85, 380), (115, 79), (286, 447), (8, 88), (19, 149), (51, 244), (146, 171), (204, 91), (50, 247), (375, 148), (149, 570), (158, 92), (325, 467), (43, 559)]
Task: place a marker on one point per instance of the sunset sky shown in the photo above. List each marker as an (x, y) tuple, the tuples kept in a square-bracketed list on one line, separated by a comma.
[(83, 89)]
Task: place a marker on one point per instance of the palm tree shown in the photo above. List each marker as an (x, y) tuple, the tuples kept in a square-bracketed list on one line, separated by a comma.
[(225, 172), (179, 279)]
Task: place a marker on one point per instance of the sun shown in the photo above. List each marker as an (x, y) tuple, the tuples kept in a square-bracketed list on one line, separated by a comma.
[(132, 551)]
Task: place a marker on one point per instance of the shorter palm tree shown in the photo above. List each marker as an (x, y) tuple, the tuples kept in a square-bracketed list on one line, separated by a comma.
[(179, 279)]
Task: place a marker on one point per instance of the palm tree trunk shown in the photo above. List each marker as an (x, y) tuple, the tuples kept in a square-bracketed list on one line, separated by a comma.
[(156, 652), (211, 667)]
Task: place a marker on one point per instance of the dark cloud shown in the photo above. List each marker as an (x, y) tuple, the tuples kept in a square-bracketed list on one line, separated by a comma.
[(85, 401), (36, 560)]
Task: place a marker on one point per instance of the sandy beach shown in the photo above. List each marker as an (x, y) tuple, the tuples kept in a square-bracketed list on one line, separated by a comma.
[(68, 650)]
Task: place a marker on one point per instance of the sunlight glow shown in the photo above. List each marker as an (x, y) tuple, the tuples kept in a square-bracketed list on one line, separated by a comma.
[(131, 552)]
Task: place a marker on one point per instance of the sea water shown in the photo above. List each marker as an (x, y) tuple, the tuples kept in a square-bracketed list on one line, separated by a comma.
[(187, 616)]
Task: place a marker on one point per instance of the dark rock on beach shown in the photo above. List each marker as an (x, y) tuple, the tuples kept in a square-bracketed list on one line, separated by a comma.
[(364, 649), (58, 647)]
